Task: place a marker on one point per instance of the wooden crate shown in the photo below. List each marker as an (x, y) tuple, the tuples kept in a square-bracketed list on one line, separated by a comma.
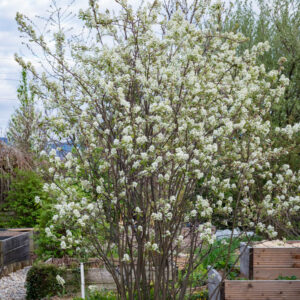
[(31, 232), (251, 289), (14, 249), (260, 263)]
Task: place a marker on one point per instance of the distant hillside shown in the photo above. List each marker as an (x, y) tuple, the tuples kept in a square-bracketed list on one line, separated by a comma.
[(3, 139), (65, 147)]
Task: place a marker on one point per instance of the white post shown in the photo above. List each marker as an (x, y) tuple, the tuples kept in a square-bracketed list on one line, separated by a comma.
[(82, 281)]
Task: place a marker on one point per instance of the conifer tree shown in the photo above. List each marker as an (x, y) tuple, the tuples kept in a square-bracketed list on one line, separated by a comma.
[(22, 122)]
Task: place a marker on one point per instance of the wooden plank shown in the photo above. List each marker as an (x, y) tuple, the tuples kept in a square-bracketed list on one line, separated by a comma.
[(17, 255), (276, 257), (273, 273), (262, 289), (15, 242), (14, 249), (31, 233), (294, 251)]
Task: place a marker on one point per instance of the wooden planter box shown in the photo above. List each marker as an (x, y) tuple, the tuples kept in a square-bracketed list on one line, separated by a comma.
[(14, 251), (261, 263), (31, 233), (252, 289)]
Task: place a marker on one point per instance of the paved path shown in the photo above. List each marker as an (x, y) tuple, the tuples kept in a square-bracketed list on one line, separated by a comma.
[(12, 286)]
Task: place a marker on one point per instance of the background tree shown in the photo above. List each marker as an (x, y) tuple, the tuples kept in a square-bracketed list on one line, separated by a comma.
[(23, 121), (276, 21)]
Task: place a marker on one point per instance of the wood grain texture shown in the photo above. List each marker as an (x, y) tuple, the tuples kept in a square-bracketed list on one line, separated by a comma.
[(15, 242), (273, 273), (276, 257), (15, 249), (262, 289)]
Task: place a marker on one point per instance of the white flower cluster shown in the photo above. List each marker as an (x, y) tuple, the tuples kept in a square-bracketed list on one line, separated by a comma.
[(154, 121)]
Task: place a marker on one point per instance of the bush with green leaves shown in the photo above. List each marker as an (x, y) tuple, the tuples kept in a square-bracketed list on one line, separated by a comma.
[(111, 295), (46, 246), (293, 277), (25, 186), (41, 281), (46, 280)]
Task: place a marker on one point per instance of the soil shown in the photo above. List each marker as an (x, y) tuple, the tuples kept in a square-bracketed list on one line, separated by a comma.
[(277, 244)]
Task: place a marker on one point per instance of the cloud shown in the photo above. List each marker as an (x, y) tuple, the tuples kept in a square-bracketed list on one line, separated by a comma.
[(11, 43)]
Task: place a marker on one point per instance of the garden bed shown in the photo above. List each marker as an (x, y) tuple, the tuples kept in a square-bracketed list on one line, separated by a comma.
[(251, 289), (269, 260), (14, 251), (31, 233)]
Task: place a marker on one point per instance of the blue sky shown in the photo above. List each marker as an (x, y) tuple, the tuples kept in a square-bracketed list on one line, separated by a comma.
[(10, 43)]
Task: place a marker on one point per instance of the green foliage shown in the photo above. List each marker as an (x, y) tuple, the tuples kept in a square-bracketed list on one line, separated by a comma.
[(202, 295), (276, 21), (46, 246), (25, 186), (219, 253), (104, 295), (111, 295), (220, 257), (293, 277), (41, 282), (100, 295)]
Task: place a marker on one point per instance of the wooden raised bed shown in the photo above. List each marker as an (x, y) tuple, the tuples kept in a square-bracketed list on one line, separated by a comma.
[(14, 251), (31, 233), (263, 263), (252, 289)]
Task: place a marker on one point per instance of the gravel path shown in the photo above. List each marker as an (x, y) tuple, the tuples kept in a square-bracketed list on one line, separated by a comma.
[(12, 286)]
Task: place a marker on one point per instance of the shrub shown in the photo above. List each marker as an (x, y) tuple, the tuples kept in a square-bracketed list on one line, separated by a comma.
[(41, 281), (104, 295), (47, 247), (25, 186)]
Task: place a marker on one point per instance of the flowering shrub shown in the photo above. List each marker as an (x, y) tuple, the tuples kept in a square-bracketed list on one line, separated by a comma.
[(169, 127)]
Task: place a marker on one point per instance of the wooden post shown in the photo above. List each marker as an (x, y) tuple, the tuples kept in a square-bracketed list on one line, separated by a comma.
[(215, 287), (82, 281)]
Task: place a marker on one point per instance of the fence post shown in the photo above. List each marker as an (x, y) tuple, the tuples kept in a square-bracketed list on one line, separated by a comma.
[(82, 281)]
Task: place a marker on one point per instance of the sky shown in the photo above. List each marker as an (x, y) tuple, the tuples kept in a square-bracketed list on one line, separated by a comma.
[(11, 43)]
